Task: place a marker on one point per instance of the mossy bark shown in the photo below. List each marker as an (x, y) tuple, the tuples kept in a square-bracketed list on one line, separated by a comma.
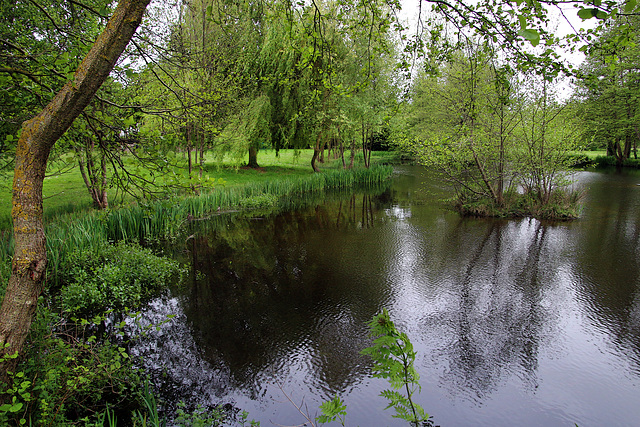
[(32, 152)]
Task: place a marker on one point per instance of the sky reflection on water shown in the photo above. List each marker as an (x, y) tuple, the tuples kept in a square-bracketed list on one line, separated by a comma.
[(515, 322)]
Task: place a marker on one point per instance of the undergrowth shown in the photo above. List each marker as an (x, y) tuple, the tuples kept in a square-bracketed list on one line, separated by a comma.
[(113, 277), (606, 161)]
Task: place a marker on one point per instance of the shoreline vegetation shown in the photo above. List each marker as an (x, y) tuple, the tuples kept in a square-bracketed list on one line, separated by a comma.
[(562, 206), (151, 220), (76, 369)]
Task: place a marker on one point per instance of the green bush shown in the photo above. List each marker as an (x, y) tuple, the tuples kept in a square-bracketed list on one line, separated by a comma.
[(563, 205), (69, 375), (113, 277), (579, 160), (259, 201)]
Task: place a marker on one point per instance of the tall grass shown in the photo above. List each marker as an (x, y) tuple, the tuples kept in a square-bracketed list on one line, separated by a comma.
[(159, 220)]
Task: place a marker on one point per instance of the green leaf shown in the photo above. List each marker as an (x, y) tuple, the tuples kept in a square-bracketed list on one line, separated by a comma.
[(587, 13), (532, 35), (332, 409), (601, 14), (523, 22), (630, 5), (129, 121), (16, 407)]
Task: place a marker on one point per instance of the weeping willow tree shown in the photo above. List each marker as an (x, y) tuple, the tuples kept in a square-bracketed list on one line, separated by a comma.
[(249, 129), (283, 81), (323, 73)]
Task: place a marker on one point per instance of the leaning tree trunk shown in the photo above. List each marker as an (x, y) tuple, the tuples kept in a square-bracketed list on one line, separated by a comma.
[(32, 152)]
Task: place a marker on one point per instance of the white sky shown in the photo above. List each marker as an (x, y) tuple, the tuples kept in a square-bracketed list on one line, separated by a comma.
[(559, 25)]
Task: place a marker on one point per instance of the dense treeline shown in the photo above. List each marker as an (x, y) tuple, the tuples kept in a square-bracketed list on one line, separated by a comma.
[(608, 91), (232, 78)]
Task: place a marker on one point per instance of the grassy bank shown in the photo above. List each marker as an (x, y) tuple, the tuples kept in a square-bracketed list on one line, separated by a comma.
[(77, 372), (156, 220), (609, 161), (600, 159), (64, 190)]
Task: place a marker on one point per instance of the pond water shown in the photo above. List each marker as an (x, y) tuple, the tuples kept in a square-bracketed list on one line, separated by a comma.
[(515, 322)]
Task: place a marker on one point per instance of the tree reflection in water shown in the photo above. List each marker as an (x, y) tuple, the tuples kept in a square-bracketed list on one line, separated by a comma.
[(515, 322)]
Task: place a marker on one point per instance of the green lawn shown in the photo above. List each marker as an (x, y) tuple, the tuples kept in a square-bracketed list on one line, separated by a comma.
[(64, 190), (591, 154)]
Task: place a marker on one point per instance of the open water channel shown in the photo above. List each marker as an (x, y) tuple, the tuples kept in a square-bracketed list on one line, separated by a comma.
[(516, 323)]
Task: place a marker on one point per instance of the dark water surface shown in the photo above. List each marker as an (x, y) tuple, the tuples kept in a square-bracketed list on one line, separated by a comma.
[(516, 323)]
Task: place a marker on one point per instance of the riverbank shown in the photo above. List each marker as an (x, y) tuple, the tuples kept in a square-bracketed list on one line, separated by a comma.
[(600, 159), (64, 190), (77, 370)]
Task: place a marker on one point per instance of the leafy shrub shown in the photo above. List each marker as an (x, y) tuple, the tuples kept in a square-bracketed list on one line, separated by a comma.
[(563, 205), (68, 375), (579, 160), (393, 357), (114, 277), (260, 201)]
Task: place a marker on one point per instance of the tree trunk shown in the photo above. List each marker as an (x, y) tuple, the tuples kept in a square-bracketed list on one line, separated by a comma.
[(32, 152), (366, 150), (316, 152), (103, 203), (353, 153), (202, 140), (94, 180), (189, 161), (253, 157), (618, 153)]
